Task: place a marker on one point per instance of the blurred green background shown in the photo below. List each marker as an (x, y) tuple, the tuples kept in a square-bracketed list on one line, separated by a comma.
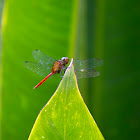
[(81, 29)]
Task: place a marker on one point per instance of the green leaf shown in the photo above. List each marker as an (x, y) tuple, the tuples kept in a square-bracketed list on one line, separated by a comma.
[(66, 116)]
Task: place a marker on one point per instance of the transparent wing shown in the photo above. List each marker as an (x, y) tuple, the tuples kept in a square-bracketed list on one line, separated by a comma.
[(86, 73), (87, 63), (38, 68), (42, 58)]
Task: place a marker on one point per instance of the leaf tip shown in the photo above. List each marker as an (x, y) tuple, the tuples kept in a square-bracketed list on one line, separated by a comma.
[(70, 65)]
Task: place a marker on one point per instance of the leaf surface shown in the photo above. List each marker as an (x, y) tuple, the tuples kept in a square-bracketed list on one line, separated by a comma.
[(66, 116)]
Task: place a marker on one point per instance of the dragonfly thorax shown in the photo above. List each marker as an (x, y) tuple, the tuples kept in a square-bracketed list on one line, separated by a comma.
[(58, 65)]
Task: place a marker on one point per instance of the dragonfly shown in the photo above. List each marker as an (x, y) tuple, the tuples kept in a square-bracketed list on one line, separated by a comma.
[(83, 68)]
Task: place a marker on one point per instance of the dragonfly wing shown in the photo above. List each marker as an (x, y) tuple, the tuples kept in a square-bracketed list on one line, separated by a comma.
[(42, 58), (37, 67), (87, 63), (86, 73)]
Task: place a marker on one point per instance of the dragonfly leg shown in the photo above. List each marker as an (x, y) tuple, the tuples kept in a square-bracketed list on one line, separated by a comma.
[(61, 73), (65, 68)]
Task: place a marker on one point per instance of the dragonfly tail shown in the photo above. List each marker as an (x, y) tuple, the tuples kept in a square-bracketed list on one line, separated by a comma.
[(43, 80)]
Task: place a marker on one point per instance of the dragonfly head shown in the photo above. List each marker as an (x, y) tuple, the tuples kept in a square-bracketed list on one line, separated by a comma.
[(65, 60)]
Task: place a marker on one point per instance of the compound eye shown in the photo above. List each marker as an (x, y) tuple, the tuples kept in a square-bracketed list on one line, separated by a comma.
[(63, 58), (66, 60)]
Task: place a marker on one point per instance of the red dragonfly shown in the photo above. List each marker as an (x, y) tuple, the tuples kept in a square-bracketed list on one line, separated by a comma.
[(83, 68)]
